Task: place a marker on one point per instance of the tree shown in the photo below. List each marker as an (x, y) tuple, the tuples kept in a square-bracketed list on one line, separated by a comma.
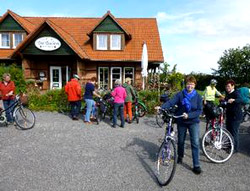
[(235, 64)]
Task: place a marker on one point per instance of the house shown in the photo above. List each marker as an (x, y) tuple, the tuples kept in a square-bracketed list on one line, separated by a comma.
[(52, 49)]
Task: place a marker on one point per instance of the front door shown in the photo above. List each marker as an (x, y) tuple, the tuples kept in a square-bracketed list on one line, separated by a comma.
[(116, 73), (55, 77)]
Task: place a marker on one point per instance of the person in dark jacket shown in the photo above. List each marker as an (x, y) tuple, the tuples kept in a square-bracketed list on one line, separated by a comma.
[(7, 88), (233, 112), (189, 104)]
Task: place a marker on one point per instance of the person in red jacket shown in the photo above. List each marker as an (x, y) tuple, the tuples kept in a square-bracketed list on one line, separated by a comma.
[(7, 88), (73, 91)]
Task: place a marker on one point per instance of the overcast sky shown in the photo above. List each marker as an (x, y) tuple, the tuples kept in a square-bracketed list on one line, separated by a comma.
[(194, 33)]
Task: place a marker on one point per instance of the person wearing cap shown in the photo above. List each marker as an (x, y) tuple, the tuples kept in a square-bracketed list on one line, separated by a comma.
[(129, 99), (119, 94), (88, 97), (209, 97), (73, 91), (7, 89)]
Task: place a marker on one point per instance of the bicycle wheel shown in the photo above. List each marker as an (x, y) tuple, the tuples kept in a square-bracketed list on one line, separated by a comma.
[(24, 118), (142, 110), (159, 119), (166, 162), (214, 150)]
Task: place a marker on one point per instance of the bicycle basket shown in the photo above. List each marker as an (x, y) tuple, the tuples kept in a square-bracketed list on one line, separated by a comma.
[(24, 99)]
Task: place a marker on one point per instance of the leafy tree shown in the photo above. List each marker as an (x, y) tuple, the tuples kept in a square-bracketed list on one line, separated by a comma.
[(235, 64)]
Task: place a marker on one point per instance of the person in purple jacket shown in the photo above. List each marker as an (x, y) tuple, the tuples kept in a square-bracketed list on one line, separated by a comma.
[(189, 104), (119, 94)]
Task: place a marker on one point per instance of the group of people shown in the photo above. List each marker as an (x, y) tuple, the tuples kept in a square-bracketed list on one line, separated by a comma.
[(123, 95), (190, 105)]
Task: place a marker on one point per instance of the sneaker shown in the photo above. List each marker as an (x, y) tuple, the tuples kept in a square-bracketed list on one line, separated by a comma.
[(114, 126), (197, 170), (179, 160)]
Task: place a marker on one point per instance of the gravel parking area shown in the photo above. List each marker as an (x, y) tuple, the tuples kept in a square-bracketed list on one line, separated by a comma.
[(62, 155)]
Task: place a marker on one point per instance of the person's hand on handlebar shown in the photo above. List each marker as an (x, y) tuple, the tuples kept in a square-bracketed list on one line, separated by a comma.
[(185, 115), (157, 108)]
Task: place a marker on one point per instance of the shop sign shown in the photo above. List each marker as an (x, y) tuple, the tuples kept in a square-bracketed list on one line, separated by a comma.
[(47, 43)]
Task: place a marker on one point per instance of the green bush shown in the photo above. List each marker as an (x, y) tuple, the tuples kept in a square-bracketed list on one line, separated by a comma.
[(52, 100), (16, 75)]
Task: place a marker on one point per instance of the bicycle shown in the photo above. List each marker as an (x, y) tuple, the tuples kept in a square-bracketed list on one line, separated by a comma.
[(97, 108), (167, 154), (135, 111), (217, 142), (142, 108), (246, 113), (23, 117), (159, 117)]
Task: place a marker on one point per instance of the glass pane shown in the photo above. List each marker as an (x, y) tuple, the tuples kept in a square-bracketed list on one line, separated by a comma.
[(6, 40), (129, 73), (55, 75), (116, 42), (18, 39), (103, 77), (102, 42)]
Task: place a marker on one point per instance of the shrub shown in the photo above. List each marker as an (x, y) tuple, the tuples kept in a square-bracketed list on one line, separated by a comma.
[(16, 75)]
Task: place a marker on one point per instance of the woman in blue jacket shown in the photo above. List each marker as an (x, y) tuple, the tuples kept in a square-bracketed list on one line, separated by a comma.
[(189, 104)]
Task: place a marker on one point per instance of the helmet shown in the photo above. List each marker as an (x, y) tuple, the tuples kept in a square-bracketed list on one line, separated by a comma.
[(76, 76), (213, 81)]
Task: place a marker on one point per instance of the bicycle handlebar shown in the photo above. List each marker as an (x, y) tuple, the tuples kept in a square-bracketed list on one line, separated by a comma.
[(171, 115)]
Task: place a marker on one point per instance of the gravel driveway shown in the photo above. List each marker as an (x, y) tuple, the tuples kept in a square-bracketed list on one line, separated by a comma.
[(62, 155)]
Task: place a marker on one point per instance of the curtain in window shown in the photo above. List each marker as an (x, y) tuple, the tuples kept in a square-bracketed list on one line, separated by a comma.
[(116, 42), (6, 40), (102, 41), (18, 39)]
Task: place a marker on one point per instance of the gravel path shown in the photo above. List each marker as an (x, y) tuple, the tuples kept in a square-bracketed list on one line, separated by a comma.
[(62, 155)]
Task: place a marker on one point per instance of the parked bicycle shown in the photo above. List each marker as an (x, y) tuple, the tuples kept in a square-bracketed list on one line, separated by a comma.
[(97, 115), (135, 111), (23, 117), (217, 142), (167, 155)]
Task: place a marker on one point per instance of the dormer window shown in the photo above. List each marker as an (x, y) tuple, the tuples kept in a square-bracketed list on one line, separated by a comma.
[(115, 42), (102, 42), (108, 41), (4, 40), (17, 39)]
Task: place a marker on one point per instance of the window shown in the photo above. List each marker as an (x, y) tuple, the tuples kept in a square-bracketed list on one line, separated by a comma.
[(4, 40), (103, 77), (102, 42), (116, 73), (17, 39), (115, 42), (129, 73)]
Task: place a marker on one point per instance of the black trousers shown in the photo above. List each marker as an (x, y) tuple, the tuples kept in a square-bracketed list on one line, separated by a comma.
[(233, 127), (75, 108)]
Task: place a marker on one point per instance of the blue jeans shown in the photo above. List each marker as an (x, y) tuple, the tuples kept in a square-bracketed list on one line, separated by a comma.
[(233, 127), (75, 108), (9, 112), (194, 132), (90, 109), (118, 108)]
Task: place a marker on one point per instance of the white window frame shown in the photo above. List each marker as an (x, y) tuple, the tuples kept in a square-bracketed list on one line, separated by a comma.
[(60, 76), (111, 77), (14, 46), (115, 48), (97, 42), (99, 68), (133, 73), (1, 46)]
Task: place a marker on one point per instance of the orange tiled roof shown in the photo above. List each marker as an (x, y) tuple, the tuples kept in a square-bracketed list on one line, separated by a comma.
[(75, 33)]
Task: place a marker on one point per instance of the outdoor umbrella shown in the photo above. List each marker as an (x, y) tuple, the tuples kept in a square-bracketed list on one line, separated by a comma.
[(144, 64)]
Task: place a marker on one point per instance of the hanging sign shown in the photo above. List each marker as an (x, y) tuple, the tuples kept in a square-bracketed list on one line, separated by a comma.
[(47, 43)]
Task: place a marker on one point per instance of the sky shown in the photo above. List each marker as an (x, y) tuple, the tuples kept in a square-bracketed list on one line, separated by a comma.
[(194, 33)]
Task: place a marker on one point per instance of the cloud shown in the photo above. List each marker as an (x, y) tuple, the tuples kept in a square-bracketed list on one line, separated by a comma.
[(195, 40)]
